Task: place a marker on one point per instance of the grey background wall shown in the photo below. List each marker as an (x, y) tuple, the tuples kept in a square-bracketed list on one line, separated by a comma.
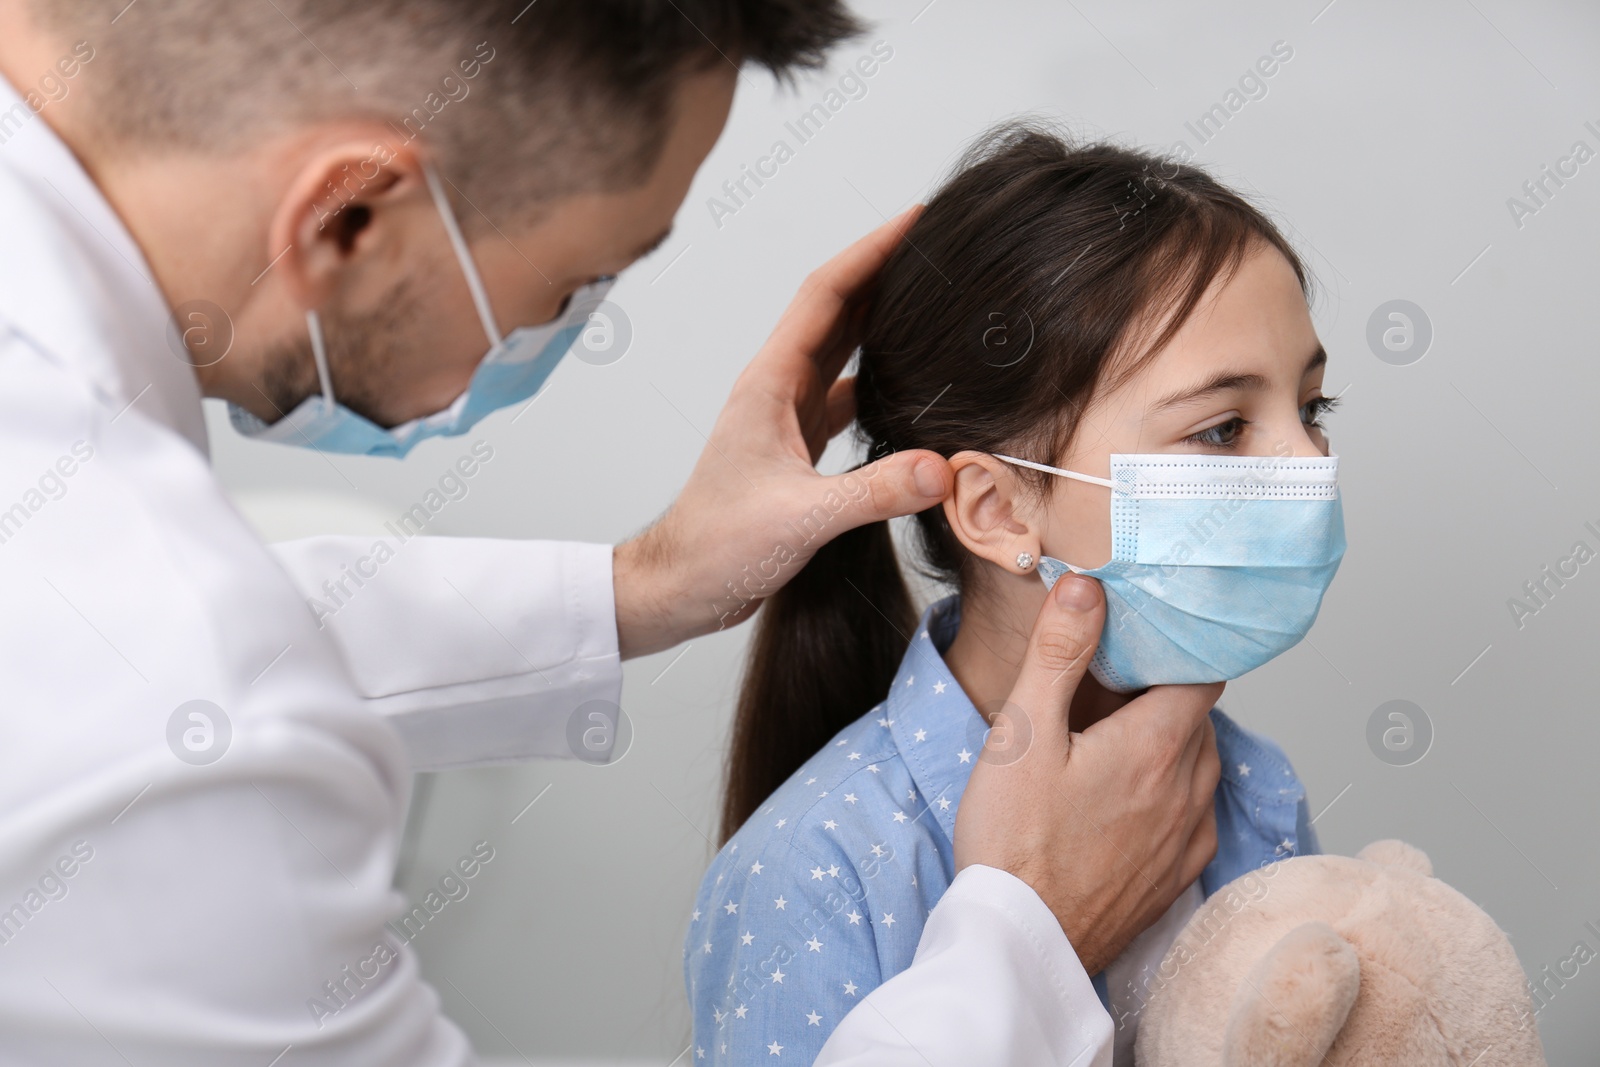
[(1389, 143)]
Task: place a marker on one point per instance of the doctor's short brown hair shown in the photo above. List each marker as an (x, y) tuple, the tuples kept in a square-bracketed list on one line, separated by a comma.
[(522, 100)]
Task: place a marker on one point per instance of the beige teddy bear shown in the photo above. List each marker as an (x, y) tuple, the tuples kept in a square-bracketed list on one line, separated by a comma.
[(1329, 960)]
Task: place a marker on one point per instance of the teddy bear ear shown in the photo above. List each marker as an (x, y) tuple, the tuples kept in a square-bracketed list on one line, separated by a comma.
[(1391, 853), (1295, 1000)]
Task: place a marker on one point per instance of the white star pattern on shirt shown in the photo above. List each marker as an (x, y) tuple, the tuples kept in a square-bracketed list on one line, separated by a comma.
[(928, 722)]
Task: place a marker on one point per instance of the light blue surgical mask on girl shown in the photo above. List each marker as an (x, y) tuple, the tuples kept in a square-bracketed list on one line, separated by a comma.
[(514, 369), (1218, 563)]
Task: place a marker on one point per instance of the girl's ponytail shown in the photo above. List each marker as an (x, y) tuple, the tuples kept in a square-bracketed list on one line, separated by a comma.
[(826, 649)]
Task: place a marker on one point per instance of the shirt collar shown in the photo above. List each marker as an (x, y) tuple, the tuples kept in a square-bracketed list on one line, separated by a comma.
[(75, 284), (940, 734), (935, 726)]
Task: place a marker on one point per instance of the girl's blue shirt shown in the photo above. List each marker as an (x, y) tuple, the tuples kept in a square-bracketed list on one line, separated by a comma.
[(822, 895)]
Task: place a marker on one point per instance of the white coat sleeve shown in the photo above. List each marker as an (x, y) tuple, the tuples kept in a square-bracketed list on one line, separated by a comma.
[(478, 650), (994, 981)]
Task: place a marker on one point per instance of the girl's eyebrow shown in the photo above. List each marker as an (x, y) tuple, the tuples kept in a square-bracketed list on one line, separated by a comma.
[(1226, 380), (1220, 383)]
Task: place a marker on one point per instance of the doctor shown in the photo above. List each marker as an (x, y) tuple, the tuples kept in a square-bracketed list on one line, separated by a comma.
[(326, 214)]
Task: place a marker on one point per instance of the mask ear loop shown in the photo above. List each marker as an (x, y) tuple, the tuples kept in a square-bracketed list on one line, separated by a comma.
[(480, 296), (1074, 475), (319, 353), (1091, 479)]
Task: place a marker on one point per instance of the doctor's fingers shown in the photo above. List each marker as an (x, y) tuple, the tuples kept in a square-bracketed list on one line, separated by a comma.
[(841, 405), (1200, 760), (1205, 771), (1059, 649), (816, 328), (902, 483), (1201, 850), (1170, 719), (1198, 820)]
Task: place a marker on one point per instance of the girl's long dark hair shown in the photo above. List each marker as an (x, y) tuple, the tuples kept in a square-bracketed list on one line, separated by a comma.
[(1040, 272)]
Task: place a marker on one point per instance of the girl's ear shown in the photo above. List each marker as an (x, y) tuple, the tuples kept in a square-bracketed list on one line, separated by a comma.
[(989, 511)]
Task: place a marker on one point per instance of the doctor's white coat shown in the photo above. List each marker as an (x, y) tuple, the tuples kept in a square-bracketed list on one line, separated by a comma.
[(157, 910)]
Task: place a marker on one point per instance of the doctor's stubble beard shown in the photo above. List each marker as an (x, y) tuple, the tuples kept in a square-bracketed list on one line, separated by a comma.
[(361, 348)]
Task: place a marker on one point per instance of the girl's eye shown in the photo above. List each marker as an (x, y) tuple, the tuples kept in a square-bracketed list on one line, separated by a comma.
[(1222, 435), (1313, 410)]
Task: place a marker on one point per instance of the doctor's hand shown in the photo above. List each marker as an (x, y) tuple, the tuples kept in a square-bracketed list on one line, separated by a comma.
[(755, 509), (1109, 825)]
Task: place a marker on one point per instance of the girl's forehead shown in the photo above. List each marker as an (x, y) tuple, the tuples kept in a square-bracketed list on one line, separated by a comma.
[(1254, 322)]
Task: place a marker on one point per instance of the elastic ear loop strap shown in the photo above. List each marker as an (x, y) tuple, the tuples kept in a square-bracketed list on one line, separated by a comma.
[(319, 352), (480, 296), (1074, 475)]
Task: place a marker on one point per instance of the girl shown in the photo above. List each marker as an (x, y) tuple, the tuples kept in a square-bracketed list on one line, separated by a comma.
[(1095, 313)]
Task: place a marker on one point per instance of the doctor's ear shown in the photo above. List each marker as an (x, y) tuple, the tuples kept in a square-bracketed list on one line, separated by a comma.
[(991, 512), (341, 206)]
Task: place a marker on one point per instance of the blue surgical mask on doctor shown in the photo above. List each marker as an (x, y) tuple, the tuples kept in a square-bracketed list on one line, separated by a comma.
[(514, 369), (1218, 563)]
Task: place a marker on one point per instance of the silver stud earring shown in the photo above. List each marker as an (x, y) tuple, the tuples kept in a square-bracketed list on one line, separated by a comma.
[(1024, 561)]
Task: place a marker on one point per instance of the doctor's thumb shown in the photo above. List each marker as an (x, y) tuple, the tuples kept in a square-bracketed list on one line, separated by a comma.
[(900, 484), (1064, 639)]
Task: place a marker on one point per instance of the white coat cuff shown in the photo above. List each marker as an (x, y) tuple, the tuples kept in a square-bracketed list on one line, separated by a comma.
[(994, 975), (1028, 932), (563, 629)]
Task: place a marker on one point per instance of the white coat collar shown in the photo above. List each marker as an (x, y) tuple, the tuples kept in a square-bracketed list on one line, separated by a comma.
[(74, 283)]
